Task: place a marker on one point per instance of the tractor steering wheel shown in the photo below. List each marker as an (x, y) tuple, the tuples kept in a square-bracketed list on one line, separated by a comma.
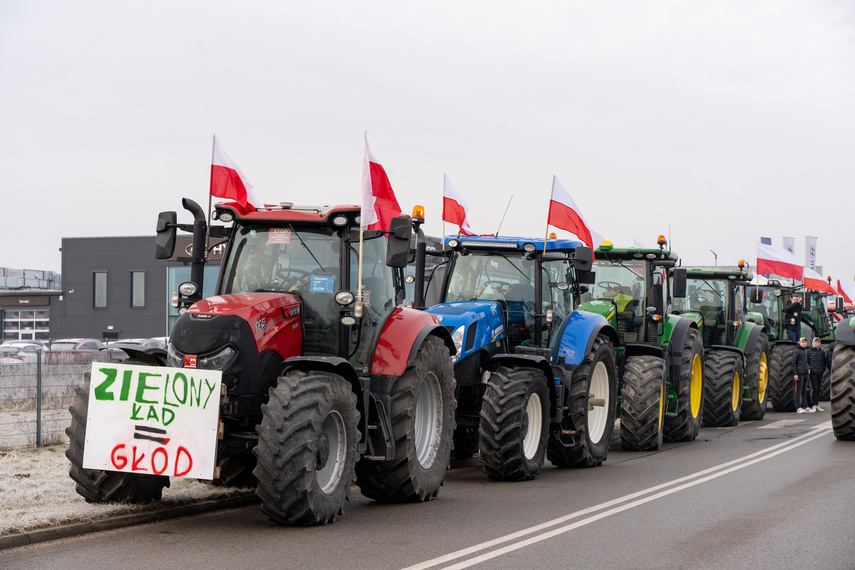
[(290, 282), (611, 287)]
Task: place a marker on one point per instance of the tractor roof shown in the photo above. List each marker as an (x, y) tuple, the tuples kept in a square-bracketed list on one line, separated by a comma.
[(509, 243), (635, 253), (288, 212), (719, 273)]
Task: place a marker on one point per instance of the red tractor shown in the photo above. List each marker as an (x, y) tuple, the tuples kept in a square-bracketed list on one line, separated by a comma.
[(321, 387)]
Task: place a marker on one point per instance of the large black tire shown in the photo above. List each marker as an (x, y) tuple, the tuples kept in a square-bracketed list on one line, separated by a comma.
[(685, 424), (642, 408), (757, 378), (514, 424), (843, 392), (306, 449), (422, 416), (722, 388), (592, 402), (104, 486), (781, 385)]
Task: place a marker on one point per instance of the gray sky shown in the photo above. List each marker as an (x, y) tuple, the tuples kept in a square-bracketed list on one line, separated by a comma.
[(722, 121)]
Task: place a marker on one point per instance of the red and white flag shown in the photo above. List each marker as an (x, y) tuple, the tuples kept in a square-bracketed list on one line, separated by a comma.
[(815, 282), (845, 289), (379, 204), (454, 207), (565, 214), (229, 182), (777, 261)]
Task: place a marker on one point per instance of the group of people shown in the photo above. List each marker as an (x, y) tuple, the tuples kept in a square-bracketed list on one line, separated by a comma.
[(809, 363)]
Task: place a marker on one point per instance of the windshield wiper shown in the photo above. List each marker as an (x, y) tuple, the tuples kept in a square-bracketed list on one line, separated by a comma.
[(306, 246)]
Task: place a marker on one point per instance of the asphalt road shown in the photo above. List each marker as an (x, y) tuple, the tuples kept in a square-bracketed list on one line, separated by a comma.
[(779, 493)]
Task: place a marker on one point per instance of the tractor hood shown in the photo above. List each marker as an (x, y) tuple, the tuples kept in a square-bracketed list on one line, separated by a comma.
[(481, 323), (600, 307)]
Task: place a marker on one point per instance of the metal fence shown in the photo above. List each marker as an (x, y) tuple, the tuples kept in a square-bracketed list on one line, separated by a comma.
[(34, 400)]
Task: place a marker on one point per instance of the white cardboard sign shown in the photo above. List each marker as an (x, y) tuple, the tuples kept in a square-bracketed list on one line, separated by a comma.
[(152, 420)]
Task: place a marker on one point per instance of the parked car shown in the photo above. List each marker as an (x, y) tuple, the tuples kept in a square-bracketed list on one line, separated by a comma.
[(76, 350), (20, 352)]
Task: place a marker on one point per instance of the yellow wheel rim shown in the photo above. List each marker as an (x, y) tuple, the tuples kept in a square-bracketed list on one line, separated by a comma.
[(696, 385), (734, 394), (661, 405), (763, 380)]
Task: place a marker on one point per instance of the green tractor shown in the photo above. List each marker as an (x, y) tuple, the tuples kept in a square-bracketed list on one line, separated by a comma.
[(659, 355), (736, 371), (766, 304)]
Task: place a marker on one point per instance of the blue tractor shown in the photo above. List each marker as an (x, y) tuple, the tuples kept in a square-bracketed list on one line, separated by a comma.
[(535, 377)]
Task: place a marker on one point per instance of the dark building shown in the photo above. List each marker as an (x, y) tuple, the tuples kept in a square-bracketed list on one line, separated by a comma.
[(114, 287)]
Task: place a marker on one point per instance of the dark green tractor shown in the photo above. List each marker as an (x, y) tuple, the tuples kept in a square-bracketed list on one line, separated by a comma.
[(736, 371), (766, 307), (659, 355)]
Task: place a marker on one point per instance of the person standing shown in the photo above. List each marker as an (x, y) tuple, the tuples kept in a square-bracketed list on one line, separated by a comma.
[(816, 368), (801, 372), (793, 317)]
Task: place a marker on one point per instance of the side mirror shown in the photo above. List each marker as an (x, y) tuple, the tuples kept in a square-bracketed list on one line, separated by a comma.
[(838, 305), (164, 245), (587, 277), (679, 285), (583, 259), (398, 243), (755, 295)]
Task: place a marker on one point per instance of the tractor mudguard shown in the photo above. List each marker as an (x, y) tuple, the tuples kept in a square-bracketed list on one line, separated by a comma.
[(748, 336), (151, 356), (845, 332), (733, 349), (482, 323), (676, 329), (436, 330), (397, 340), (576, 336)]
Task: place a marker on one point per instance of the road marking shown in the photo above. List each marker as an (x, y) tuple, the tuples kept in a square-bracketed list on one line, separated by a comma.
[(615, 506), (781, 424)]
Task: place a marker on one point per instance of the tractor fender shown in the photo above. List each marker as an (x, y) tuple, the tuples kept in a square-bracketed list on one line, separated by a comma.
[(576, 336), (149, 356), (641, 349), (751, 342), (674, 351), (400, 338), (845, 332), (435, 330), (733, 349), (333, 364)]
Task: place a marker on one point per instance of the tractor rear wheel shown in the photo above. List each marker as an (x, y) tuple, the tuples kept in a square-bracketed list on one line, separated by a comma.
[(306, 448), (104, 486), (843, 392), (757, 378), (825, 384), (514, 424), (591, 402), (781, 386), (642, 408), (722, 388), (684, 426), (422, 416)]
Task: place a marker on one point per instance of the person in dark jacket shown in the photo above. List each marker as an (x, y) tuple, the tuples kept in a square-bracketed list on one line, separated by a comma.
[(793, 317), (801, 372), (817, 363)]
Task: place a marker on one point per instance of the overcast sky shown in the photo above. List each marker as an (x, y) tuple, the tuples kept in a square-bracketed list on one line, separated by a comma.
[(713, 123)]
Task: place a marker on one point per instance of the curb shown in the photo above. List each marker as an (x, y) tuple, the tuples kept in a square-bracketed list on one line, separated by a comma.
[(77, 529)]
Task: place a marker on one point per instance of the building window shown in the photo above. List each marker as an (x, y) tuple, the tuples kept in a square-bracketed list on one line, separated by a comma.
[(138, 289), (99, 300)]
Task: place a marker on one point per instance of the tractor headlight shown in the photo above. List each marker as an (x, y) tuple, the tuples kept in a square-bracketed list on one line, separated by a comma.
[(220, 360), (457, 339), (188, 289)]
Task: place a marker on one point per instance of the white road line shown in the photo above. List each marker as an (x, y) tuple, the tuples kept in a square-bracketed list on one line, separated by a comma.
[(681, 484), (781, 424)]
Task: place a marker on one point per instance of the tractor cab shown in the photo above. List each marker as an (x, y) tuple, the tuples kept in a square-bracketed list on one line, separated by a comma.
[(715, 299)]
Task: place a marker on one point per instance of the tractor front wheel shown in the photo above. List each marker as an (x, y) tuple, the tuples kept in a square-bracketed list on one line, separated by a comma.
[(684, 426), (422, 416), (781, 384), (642, 408), (306, 448), (591, 403), (757, 378), (514, 424), (723, 389), (104, 486)]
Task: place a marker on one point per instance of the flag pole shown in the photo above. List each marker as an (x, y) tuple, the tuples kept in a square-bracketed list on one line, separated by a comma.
[(210, 200), (546, 235)]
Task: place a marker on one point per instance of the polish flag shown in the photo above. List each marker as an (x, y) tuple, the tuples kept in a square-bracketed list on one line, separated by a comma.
[(815, 282), (777, 261), (379, 204), (227, 180), (454, 207), (845, 289), (565, 214)]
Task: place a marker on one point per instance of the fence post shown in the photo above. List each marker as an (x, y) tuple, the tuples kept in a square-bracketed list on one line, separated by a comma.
[(38, 399)]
